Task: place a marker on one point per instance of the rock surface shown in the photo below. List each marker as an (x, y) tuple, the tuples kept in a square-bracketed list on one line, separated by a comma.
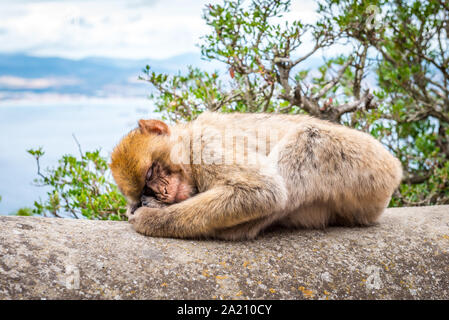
[(405, 256)]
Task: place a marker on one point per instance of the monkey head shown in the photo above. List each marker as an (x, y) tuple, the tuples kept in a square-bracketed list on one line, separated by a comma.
[(141, 167)]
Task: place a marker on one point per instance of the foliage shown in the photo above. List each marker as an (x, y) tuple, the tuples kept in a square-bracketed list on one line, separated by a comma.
[(392, 83), (79, 188), (24, 212), (411, 43)]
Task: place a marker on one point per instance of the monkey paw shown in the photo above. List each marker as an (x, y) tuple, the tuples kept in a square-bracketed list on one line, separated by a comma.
[(148, 221), (136, 217), (131, 218)]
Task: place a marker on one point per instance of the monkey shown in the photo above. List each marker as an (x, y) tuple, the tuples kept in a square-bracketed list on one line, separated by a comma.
[(234, 175)]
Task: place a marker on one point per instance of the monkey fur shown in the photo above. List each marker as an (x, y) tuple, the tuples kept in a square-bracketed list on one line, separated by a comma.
[(310, 173)]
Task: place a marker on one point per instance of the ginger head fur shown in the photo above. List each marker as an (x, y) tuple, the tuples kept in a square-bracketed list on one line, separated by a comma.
[(141, 161)]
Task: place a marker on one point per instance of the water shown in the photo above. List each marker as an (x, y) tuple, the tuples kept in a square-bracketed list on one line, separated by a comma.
[(51, 125)]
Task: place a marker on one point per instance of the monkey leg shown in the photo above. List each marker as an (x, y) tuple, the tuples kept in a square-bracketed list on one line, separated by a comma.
[(335, 176), (247, 230), (221, 207)]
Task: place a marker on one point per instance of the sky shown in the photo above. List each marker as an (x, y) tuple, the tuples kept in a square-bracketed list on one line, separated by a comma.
[(131, 29)]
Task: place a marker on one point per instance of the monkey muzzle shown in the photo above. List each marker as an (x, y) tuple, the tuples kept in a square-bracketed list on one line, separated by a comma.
[(133, 206), (149, 201)]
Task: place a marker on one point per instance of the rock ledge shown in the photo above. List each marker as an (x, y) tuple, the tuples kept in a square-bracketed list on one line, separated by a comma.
[(405, 256)]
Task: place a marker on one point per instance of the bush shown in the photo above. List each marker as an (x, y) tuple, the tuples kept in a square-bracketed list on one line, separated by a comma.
[(80, 187), (24, 212)]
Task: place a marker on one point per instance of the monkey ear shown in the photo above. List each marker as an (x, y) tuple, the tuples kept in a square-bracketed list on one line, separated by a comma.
[(153, 126)]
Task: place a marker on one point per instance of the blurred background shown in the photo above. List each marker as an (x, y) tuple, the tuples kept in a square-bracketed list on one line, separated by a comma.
[(71, 67), (75, 76)]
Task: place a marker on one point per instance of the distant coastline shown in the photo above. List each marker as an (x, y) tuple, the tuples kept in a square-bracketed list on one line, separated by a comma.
[(24, 77), (38, 100)]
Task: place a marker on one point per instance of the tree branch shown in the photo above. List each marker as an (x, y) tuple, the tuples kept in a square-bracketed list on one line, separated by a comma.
[(332, 82)]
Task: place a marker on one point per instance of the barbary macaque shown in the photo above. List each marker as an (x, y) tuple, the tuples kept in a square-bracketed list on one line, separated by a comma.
[(230, 176)]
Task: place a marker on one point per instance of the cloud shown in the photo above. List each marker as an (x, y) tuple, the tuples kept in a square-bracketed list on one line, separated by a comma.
[(10, 82), (134, 29)]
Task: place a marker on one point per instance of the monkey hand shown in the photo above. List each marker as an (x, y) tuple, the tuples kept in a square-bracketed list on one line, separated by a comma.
[(152, 202), (150, 221)]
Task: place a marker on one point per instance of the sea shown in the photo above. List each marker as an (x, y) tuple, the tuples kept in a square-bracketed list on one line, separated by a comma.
[(96, 123)]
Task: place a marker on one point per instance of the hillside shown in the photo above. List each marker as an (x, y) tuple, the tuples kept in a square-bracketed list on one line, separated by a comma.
[(99, 77)]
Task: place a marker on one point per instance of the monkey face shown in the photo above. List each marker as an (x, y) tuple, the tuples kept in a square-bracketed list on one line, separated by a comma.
[(140, 165), (162, 188), (166, 186)]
